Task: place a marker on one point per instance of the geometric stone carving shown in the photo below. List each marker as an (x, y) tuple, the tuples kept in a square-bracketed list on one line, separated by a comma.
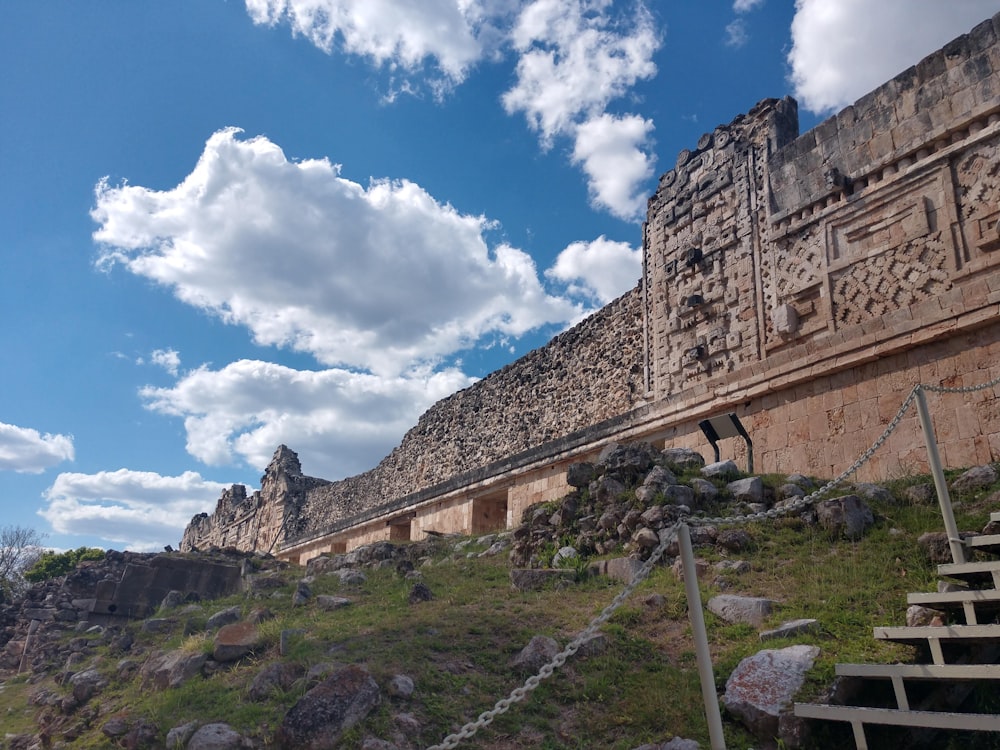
[(785, 320)]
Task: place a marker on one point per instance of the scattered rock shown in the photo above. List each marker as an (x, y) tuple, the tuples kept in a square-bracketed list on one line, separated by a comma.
[(703, 489), (116, 726), (975, 478), (748, 490), (790, 629), (86, 685), (171, 670), (752, 610), (623, 569), (721, 470), (177, 738), (921, 494), (302, 594), (682, 459), (215, 737), (917, 616), (401, 686), (278, 675), (847, 516), (539, 652), (235, 641), (328, 603), (324, 713), (700, 568), (225, 617), (763, 686), (580, 474), (420, 593), (874, 493), (564, 557), (734, 540), (533, 579)]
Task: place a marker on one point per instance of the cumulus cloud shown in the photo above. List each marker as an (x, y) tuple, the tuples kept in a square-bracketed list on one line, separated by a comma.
[(841, 49), (168, 359), (609, 149), (602, 269), (575, 58), (28, 451), (336, 420), (140, 510), (453, 34), (382, 277)]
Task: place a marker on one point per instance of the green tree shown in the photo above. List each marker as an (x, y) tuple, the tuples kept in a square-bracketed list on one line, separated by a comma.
[(20, 548), (51, 564)]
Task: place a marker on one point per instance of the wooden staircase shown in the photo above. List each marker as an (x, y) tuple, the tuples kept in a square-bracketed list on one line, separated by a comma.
[(960, 655)]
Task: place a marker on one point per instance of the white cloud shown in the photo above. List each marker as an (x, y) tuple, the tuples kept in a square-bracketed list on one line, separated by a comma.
[(609, 150), (736, 33), (745, 6), (28, 451), (575, 58), (168, 359), (137, 508), (843, 49), (382, 278), (602, 269), (455, 34), (336, 420)]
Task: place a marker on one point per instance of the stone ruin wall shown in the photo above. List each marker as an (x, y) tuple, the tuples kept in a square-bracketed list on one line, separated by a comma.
[(804, 282), (808, 284), (585, 375)]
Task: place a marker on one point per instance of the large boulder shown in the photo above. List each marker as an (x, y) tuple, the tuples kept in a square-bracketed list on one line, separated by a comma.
[(172, 669), (235, 641), (975, 478), (762, 686), (321, 716)]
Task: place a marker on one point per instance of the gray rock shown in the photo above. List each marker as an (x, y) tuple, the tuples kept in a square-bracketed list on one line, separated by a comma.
[(790, 629), (116, 726), (917, 616), (215, 737), (564, 557), (721, 470), (172, 599), (539, 651), (580, 474), (623, 569), (752, 610), (302, 594), (790, 490), (177, 738), (847, 516), (87, 684), (681, 459), (171, 670), (975, 478), (921, 494), (763, 686), (533, 579), (748, 490), (322, 715), (653, 516), (235, 641), (935, 545), (401, 686), (703, 489), (678, 494), (158, 625), (802, 481), (734, 540), (732, 566), (225, 617), (645, 538), (874, 492), (606, 490), (278, 675), (351, 577), (328, 603)]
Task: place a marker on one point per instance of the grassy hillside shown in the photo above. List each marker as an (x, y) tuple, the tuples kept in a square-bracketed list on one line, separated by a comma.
[(457, 647)]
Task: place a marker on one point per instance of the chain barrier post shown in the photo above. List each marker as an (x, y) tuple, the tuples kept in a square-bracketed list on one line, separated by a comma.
[(940, 484), (702, 654)]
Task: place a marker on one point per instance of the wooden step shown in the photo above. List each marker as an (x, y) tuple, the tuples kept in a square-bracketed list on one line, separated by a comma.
[(934, 636), (858, 717), (989, 543), (969, 601), (898, 673), (988, 570)]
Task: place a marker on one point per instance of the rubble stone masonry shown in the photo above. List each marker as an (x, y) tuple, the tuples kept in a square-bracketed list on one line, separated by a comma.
[(803, 282)]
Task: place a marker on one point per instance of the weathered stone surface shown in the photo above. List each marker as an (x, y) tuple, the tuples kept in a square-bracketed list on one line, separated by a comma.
[(580, 474), (975, 478), (278, 675), (564, 557), (177, 737), (329, 603), (401, 686), (917, 616), (681, 459), (748, 490), (322, 715), (847, 516), (763, 686), (218, 736), (721, 470), (790, 629), (171, 669), (734, 540), (87, 684), (420, 593), (540, 650), (235, 641), (921, 494), (752, 610), (224, 617), (622, 569), (532, 579)]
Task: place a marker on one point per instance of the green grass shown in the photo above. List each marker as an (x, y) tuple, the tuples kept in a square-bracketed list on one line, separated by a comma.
[(458, 647)]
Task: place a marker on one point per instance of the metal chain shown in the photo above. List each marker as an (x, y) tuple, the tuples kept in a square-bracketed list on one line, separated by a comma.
[(962, 389), (520, 693)]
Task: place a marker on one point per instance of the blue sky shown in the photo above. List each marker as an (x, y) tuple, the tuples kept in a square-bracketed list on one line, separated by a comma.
[(229, 225)]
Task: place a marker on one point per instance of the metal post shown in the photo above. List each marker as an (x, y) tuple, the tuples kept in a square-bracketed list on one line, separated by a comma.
[(940, 484), (702, 655)]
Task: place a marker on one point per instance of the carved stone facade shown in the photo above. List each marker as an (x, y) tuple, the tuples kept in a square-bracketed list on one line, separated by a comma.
[(805, 283)]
